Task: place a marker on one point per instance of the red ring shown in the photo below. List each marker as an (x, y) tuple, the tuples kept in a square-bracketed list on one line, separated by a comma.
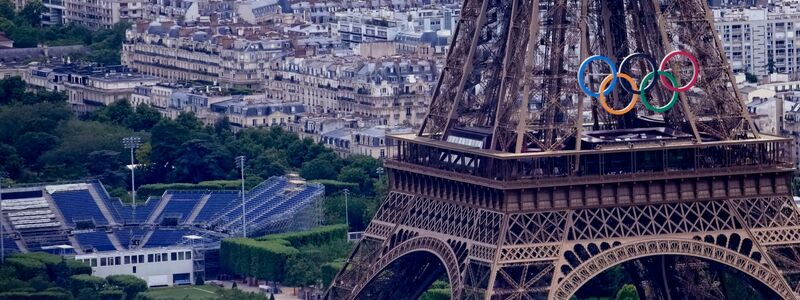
[(667, 84)]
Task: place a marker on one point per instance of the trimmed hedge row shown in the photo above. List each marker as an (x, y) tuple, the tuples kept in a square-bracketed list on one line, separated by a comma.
[(334, 186), (329, 271), (266, 257), (158, 189), (318, 236)]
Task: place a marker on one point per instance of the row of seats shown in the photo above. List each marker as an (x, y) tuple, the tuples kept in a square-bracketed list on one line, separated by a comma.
[(97, 240), (23, 204), (78, 206), (123, 213), (181, 205), (215, 205)]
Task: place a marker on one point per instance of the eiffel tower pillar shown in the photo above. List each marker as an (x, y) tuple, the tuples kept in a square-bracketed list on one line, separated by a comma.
[(519, 186)]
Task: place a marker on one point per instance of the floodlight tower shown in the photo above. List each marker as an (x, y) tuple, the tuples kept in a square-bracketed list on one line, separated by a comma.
[(132, 142), (240, 164), (3, 176)]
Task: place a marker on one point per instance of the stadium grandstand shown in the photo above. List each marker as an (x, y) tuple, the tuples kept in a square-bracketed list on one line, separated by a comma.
[(83, 218)]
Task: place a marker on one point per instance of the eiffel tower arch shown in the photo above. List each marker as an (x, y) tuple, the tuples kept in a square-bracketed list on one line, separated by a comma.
[(520, 185)]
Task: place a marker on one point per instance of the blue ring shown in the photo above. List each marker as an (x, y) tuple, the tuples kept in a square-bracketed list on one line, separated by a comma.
[(582, 72)]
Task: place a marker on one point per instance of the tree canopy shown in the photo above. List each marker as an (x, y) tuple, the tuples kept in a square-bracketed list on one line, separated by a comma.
[(25, 28)]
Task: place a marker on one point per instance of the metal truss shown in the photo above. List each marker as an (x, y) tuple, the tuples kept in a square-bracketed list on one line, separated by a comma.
[(551, 254), (512, 70)]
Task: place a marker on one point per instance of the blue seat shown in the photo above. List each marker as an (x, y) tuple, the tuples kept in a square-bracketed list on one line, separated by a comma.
[(95, 239), (78, 206)]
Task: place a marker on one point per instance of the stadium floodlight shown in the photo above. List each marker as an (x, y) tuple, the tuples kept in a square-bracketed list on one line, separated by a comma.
[(3, 176), (346, 215), (240, 164), (132, 142)]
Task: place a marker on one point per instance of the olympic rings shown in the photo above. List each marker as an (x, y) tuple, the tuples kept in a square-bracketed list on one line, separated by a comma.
[(582, 70), (602, 97), (661, 74), (658, 109), (650, 60), (695, 66)]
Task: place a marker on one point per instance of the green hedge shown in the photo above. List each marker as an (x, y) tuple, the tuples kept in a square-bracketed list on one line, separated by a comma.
[(436, 294), (317, 236), (158, 189), (27, 268), (129, 284), (329, 271), (334, 186), (266, 257), (83, 281), (260, 259), (45, 295)]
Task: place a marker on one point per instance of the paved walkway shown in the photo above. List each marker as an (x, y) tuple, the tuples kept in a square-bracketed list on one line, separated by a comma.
[(286, 295)]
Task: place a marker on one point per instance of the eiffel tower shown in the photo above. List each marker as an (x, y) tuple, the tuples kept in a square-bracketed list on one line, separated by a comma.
[(520, 185)]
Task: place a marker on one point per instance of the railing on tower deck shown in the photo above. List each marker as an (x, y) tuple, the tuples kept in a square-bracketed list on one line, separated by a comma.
[(673, 157)]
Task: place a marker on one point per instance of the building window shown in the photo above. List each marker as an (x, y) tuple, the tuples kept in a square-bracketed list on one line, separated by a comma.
[(94, 262), (188, 255), (150, 258), (174, 256), (134, 269), (102, 261), (127, 260), (117, 260), (164, 257), (134, 259), (180, 255), (141, 258)]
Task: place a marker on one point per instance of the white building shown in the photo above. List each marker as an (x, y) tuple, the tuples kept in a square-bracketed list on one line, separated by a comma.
[(100, 14), (157, 266), (760, 40)]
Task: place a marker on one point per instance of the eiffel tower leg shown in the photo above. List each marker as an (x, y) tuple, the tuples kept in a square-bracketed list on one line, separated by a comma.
[(437, 238)]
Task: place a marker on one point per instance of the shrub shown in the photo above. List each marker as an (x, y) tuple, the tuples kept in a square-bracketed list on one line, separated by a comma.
[(129, 284), (111, 294), (26, 268), (79, 282), (329, 271), (436, 294)]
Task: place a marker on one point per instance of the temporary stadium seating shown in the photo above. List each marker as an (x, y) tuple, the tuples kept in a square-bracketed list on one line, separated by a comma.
[(77, 206), (32, 217), (181, 204), (215, 205), (124, 235), (95, 239), (166, 237)]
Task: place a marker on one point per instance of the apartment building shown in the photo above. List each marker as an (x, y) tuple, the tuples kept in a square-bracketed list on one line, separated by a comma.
[(259, 11), (761, 40), (395, 91), (88, 87), (228, 55), (100, 14)]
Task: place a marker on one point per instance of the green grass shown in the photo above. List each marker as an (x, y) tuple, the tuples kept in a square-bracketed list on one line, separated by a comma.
[(202, 292)]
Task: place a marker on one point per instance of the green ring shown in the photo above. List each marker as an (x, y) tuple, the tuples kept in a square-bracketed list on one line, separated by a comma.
[(643, 97)]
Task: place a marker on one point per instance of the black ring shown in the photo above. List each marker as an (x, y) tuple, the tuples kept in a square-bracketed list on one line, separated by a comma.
[(653, 65)]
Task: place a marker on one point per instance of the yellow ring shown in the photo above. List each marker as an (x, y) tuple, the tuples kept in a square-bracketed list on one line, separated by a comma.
[(602, 97)]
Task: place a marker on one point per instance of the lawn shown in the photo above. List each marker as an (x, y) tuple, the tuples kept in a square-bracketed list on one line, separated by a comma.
[(202, 292)]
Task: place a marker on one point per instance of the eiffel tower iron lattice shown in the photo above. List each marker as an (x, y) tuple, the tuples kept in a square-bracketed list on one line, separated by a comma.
[(518, 187)]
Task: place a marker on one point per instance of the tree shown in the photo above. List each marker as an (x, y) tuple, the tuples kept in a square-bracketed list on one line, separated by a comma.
[(6, 9), (627, 292), (144, 119), (129, 284), (32, 12), (319, 168), (12, 88), (32, 145)]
